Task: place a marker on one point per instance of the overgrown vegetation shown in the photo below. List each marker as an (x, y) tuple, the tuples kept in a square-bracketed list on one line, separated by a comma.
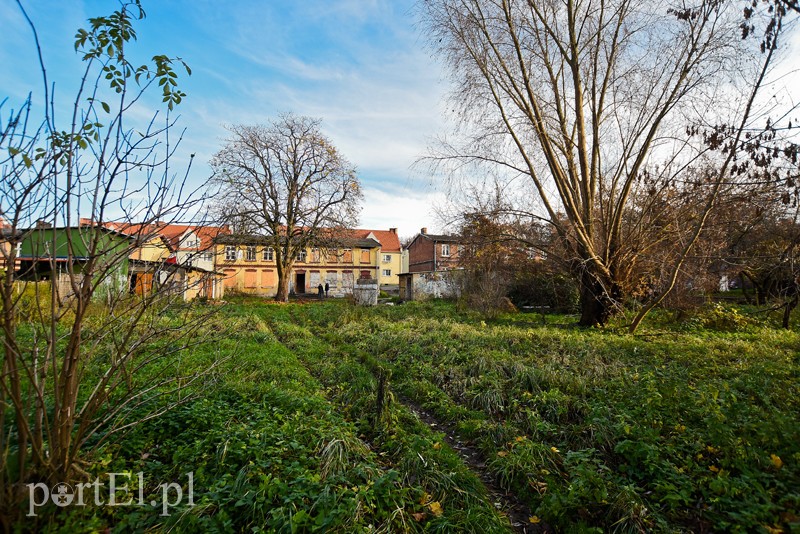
[(690, 426)]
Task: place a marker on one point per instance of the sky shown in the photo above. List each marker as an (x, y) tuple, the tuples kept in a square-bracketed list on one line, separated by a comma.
[(360, 65)]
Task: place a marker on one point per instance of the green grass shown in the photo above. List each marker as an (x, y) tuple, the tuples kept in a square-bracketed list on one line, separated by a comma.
[(672, 430), (690, 426)]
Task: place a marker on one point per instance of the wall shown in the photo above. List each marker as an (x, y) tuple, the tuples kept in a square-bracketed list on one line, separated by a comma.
[(365, 292), (260, 277), (423, 286), (420, 255), (395, 265)]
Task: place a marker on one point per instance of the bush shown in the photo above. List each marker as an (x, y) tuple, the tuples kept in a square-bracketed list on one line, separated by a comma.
[(724, 318), (557, 291), (34, 300)]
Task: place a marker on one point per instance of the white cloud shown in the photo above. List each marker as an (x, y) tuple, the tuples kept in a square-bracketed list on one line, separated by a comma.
[(403, 208)]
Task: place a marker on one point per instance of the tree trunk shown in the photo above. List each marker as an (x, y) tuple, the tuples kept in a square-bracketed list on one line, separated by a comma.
[(787, 311), (599, 299), (283, 287)]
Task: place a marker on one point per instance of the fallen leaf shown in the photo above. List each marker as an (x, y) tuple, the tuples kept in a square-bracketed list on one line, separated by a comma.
[(776, 461), (437, 446), (436, 508), (534, 519), (419, 516)]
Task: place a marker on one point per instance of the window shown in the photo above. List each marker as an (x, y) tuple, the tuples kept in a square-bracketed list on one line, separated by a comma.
[(364, 255), (315, 255), (251, 253), (269, 254), (387, 258), (445, 250), (230, 253), (267, 278), (301, 256), (230, 276), (386, 272), (208, 256), (347, 256)]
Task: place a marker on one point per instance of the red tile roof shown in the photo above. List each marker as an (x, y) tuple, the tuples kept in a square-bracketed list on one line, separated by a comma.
[(170, 233), (389, 240)]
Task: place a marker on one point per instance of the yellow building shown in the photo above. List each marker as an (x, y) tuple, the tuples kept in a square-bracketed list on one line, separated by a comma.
[(390, 261), (248, 265), (162, 260)]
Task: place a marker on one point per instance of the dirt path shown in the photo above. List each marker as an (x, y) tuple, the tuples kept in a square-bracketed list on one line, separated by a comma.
[(517, 512)]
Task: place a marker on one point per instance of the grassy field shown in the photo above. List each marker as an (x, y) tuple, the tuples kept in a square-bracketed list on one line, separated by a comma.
[(309, 425)]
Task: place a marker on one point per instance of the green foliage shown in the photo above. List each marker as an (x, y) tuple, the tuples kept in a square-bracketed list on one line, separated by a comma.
[(594, 431), (725, 318), (557, 291), (681, 431), (34, 301)]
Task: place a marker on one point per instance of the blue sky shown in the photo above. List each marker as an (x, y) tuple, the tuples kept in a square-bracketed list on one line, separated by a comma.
[(360, 65)]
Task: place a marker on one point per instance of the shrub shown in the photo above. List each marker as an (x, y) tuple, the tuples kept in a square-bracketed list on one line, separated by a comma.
[(724, 318), (558, 291)]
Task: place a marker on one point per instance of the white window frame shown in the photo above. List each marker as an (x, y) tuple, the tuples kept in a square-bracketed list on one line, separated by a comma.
[(386, 272), (387, 258), (230, 252), (445, 250), (250, 253), (301, 256), (268, 254)]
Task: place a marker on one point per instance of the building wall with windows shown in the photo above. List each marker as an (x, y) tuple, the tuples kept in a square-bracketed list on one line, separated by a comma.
[(248, 265), (433, 253), (390, 260)]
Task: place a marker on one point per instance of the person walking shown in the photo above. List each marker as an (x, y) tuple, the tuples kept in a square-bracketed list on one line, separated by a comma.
[(327, 288)]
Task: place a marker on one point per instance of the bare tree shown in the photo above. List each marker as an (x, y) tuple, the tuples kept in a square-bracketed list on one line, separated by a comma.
[(577, 100), (290, 183), (78, 362)]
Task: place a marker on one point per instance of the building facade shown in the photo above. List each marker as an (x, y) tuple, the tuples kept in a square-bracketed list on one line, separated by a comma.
[(433, 253), (248, 265)]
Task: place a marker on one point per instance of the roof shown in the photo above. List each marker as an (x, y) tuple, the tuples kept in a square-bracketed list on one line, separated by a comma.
[(252, 239), (83, 225), (443, 238), (171, 233), (388, 239), (438, 238)]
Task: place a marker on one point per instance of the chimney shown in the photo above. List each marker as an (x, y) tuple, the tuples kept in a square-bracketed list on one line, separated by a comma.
[(423, 231), (393, 230)]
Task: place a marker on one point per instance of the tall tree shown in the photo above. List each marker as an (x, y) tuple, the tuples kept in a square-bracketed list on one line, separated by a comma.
[(73, 368), (580, 99), (290, 183)]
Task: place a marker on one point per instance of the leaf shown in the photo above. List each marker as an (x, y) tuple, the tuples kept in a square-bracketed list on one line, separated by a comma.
[(106, 107), (534, 519), (776, 461), (436, 508)]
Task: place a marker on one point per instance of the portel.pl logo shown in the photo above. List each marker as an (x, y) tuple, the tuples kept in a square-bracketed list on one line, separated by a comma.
[(116, 493)]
